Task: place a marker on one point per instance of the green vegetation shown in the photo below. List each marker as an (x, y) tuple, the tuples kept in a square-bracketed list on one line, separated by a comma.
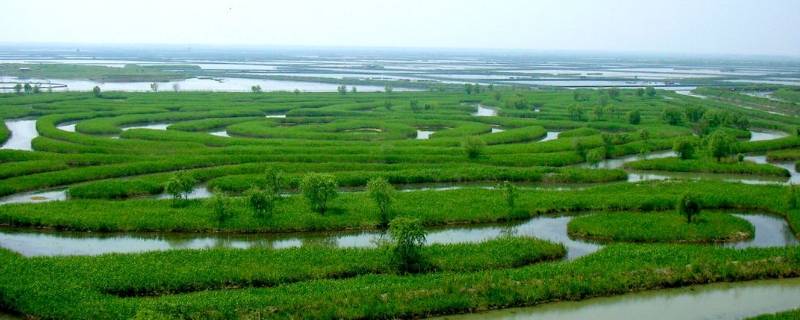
[(660, 227), (349, 161), (786, 315), (129, 72)]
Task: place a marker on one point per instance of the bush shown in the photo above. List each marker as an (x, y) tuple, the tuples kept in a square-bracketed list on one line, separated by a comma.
[(510, 195), (721, 144), (262, 201), (473, 146), (221, 209), (382, 192), (409, 237), (634, 117), (319, 189), (684, 147), (688, 206)]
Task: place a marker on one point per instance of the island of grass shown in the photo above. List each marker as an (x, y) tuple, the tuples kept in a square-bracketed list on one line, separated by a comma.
[(660, 227), (786, 315), (706, 165)]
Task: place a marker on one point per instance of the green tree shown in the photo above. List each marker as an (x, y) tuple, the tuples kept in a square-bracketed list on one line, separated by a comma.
[(388, 88), (154, 87), (382, 192), (672, 116), (634, 117), (473, 146), (640, 92), (96, 91), (415, 106), (274, 181), (694, 113), (409, 237), (319, 189), (575, 113), (721, 144), (18, 88), (688, 206), (580, 148), (594, 156), (27, 88), (256, 89), (354, 89), (650, 91), (468, 88), (262, 201), (342, 89), (510, 194), (179, 186), (220, 206), (684, 147)]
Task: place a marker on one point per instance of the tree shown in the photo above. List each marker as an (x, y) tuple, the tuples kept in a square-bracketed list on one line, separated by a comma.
[(319, 189), (688, 206), (409, 237), (274, 181), (27, 88), (18, 88), (414, 104), (342, 89), (650, 91), (388, 88), (296, 91), (262, 201), (634, 117), (154, 87), (256, 89), (721, 144), (614, 93), (96, 91), (37, 89), (179, 186), (594, 156), (672, 116), (382, 192), (353, 90), (221, 209), (388, 105), (598, 112), (694, 113), (575, 113), (473, 146), (640, 92), (684, 147), (176, 87), (468, 88), (510, 194), (644, 134), (580, 148)]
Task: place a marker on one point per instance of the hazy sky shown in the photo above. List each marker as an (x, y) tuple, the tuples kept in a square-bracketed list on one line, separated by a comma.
[(769, 27)]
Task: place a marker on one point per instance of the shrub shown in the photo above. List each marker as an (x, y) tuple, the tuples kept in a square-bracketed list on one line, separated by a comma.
[(684, 147), (473, 146), (409, 237), (221, 208), (274, 181), (510, 195), (262, 201), (688, 206), (721, 144), (319, 189), (382, 192), (634, 117)]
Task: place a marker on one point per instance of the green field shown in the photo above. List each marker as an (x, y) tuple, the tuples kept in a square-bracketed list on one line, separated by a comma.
[(477, 191)]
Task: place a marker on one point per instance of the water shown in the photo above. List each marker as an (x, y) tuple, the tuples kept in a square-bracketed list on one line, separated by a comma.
[(35, 197), (199, 192), (788, 165), (767, 135), (716, 301), (496, 130), (22, 133), (617, 163), (152, 126), (689, 93), (424, 135), (769, 232), (68, 127), (485, 112), (275, 116), (223, 133), (551, 135), (198, 84)]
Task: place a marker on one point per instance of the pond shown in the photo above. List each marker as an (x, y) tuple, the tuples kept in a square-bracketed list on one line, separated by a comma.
[(715, 301), (23, 131), (551, 135), (484, 111), (424, 135)]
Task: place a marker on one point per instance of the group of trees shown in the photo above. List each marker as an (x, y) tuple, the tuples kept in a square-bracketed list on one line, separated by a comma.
[(27, 88)]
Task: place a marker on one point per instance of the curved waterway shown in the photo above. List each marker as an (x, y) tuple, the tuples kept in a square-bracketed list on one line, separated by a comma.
[(23, 131), (769, 232), (715, 301), (484, 111)]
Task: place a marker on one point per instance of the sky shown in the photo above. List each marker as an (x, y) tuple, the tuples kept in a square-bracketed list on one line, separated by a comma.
[(728, 27)]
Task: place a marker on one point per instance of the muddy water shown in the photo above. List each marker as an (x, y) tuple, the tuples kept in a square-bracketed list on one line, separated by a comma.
[(715, 301)]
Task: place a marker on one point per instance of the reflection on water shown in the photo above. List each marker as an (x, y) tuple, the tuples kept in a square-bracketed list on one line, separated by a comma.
[(766, 135), (617, 163), (551, 135), (35, 197), (769, 232), (716, 301), (199, 192), (484, 111), (22, 133), (496, 130), (152, 126), (223, 133)]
